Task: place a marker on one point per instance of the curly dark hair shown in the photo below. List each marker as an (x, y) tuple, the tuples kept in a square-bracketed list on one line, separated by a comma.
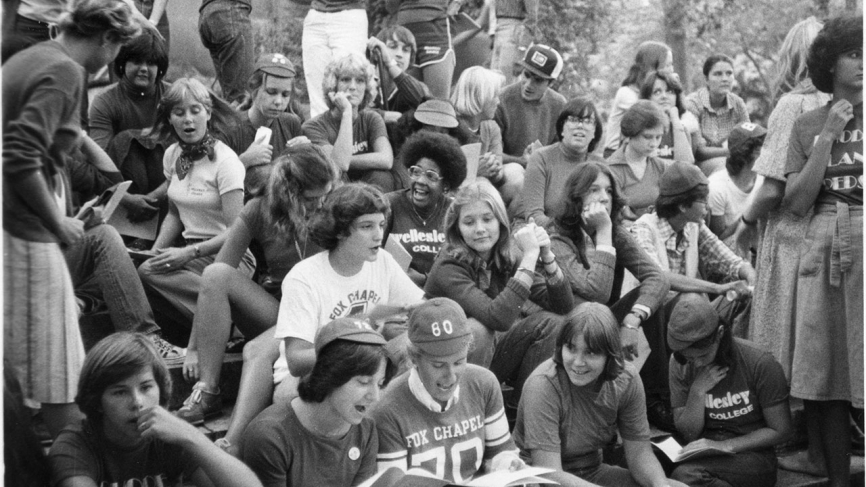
[(838, 36), (643, 115), (439, 148), (580, 107), (146, 48), (716, 59), (569, 220), (341, 208), (338, 363)]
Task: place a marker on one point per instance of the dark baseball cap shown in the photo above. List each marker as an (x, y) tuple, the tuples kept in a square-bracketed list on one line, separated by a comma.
[(349, 329), (276, 64), (743, 132), (680, 178), (438, 327), (543, 61), (692, 319)]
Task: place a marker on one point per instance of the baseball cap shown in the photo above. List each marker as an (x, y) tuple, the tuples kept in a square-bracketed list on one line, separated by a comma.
[(743, 132), (691, 319), (680, 178), (438, 327), (543, 61), (349, 329), (276, 64), (439, 113)]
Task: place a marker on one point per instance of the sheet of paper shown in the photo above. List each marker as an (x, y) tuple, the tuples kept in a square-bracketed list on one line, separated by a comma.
[(399, 253), (528, 475), (669, 447), (108, 200), (263, 136), (472, 153)]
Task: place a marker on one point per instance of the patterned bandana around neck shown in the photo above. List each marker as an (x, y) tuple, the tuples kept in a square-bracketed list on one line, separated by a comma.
[(189, 153)]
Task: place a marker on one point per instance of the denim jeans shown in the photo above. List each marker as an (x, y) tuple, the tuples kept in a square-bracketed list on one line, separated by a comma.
[(745, 469), (328, 36), (99, 260), (226, 31), (23, 33)]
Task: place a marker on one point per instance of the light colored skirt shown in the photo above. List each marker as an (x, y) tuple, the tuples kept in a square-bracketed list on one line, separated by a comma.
[(41, 340)]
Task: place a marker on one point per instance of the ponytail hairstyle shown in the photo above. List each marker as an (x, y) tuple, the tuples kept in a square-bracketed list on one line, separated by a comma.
[(297, 169)]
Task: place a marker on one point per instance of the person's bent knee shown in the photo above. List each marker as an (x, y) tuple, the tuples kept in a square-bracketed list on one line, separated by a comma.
[(218, 276), (263, 347)]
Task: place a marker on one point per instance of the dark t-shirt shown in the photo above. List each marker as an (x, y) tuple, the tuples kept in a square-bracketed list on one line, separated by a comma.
[(734, 407), (368, 127), (421, 238), (80, 452), (843, 179), (280, 256), (283, 453), (241, 135)]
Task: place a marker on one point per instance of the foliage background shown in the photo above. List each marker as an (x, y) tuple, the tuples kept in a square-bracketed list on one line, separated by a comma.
[(598, 38)]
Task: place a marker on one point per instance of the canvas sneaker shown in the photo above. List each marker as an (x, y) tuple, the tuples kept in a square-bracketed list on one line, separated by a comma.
[(200, 405), (170, 353)]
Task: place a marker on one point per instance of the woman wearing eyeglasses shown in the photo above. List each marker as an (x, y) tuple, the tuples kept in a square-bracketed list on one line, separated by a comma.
[(635, 163), (726, 393), (579, 131), (436, 165)]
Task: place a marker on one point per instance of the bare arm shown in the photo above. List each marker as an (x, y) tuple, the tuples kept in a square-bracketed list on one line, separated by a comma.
[(643, 465), (382, 156), (803, 187), (300, 356), (682, 146), (237, 241), (689, 419), (170, 229), (96, 156)]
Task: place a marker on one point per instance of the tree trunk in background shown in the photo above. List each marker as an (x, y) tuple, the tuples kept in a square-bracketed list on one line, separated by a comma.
[(675, 37), (823, 8)]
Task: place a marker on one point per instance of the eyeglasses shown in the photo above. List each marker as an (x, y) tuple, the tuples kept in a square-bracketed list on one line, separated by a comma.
[(416, 172), (585, 121)]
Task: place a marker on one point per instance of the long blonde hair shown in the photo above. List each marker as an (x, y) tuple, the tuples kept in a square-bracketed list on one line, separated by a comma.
[(791, 73)]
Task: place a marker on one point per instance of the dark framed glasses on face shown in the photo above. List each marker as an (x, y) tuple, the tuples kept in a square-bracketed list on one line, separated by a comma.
[(416, 172), (585, 121)]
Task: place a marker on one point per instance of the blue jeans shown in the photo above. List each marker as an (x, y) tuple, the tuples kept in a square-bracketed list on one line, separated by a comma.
[(752, 469), (226, 31), (99, 261)]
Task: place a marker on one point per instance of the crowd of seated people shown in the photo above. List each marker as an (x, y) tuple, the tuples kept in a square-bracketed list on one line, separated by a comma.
[(445, 274)]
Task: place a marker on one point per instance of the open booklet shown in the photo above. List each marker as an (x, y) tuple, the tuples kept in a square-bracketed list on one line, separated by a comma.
[(672, 448), (100, 209), (394, 477)]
